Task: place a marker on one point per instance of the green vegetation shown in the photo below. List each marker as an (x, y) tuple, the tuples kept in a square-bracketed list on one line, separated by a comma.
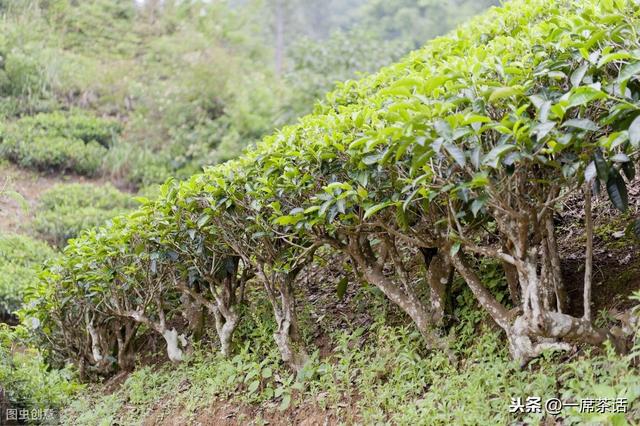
[(383, 365), (20, 258), (412, 22), (392, 257), (27, 382), (191, 83), (58, 143), (375, 34), (188, 86), (67, 209)]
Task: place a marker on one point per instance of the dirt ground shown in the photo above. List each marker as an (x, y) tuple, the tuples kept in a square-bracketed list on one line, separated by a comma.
[(223, 413)]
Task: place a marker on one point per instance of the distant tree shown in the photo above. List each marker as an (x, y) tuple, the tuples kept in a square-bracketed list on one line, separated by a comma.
[(367, 35), (316, 66), (414, 22)]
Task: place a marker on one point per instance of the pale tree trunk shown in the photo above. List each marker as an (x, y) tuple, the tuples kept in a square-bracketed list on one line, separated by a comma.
[(95, 339), (126, 355), (439, 276), (224, 307), (102, 344), (400, 293), (173, 341), (225, 326), (227, 317), (171, 337), (521, 346), (541, 324), (226, 320), (280, 290)]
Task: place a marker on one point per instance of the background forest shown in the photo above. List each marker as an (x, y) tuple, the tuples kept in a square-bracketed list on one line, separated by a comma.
[(110, 110)]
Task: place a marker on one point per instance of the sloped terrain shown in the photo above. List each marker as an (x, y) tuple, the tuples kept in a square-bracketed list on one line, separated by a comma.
[(435, 244)]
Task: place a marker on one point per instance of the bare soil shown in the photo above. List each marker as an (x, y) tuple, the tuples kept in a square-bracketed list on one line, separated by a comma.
[(224, 413), (616, 254)]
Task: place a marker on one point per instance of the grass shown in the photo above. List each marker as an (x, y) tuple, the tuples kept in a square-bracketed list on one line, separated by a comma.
[(376, 375)]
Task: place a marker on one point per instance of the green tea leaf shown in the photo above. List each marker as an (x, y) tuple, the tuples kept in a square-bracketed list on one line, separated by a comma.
[(617, 190), (584, 95), (456, 153), (504, 92), (375, 209), (602, 167), (584, 124), (341, 288), (578, 74), (634, 133), (628, 71)]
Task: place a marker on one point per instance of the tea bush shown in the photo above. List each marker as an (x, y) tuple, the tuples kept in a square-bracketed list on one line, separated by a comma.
[(20, 259), (74, 125), (57, 142), (66, 209), (386, 369)]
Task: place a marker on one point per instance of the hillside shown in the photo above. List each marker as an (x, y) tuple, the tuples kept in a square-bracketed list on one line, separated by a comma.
[(452, 239)]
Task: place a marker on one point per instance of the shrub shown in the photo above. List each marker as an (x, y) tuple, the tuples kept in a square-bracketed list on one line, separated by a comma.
[(20, 257), (25, 380), (57, 142), (71, 126), (141, 166), (66, 209), (55, 154)]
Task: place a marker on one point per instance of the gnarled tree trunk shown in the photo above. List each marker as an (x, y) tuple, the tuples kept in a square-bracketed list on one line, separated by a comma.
[(532, 253), (175, 342), (224, 287), (102, 342), (225, 326), (439, 277), (399, 291), (280, 290)]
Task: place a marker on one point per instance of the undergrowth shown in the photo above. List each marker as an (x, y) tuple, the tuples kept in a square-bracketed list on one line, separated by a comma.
[(19, 257), (379, 374), (26, 382)]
